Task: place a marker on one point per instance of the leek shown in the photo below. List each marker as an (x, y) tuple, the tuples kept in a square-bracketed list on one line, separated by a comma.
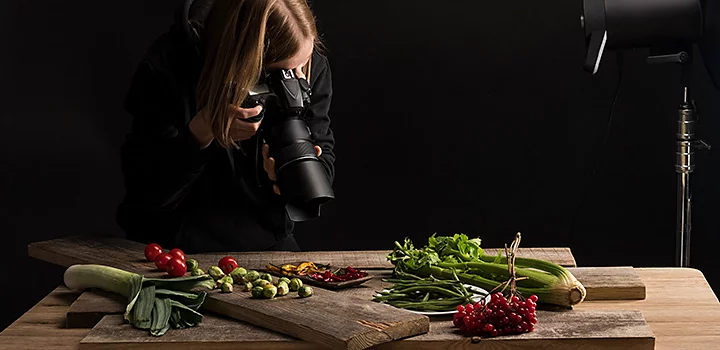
[(154, 304)]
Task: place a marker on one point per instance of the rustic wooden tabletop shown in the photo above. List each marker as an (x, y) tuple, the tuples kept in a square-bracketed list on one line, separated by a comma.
[(680, 308)]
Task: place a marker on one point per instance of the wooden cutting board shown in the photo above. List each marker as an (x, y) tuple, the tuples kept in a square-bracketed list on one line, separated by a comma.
[(329, 319), (556, 330)]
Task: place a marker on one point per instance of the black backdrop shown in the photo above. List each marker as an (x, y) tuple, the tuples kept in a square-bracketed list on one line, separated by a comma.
[(469, 116)]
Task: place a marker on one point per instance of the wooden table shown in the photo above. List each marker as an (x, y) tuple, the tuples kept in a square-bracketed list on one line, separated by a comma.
[(681, 309)]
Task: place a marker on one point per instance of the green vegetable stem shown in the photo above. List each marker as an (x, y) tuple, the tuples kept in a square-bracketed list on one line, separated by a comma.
[(428, 294)]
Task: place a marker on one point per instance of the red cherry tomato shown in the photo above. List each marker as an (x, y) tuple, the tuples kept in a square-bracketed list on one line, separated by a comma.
[(152, 250), (161, 261), (176, 267), (177, 253), (228, 264)]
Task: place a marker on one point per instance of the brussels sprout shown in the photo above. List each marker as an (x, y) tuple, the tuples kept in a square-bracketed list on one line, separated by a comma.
[(225, 279), (226, 287), (270, 291), (247, 287), (238, 275), (261, 283), (305, 291), (252, 276), (295, 284), (192, 264), (282, 289), (216, 273), (266, 276), (283, 279), (197, 272), (257, 292)]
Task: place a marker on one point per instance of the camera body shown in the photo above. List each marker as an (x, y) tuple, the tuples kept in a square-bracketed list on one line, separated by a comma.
[(301, 175)]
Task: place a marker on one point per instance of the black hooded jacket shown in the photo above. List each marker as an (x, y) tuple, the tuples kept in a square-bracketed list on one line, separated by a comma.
[(211, 199)]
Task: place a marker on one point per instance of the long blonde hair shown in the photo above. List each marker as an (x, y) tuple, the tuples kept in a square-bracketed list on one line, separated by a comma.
[(240, 36)]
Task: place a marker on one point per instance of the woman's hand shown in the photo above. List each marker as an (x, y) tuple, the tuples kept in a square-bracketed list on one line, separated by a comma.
[(269, 165), (240, 129)]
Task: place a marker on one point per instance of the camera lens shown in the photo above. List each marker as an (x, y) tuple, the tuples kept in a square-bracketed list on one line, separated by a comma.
[(301, 175)]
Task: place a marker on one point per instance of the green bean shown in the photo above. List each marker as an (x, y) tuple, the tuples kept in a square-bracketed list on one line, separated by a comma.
[(424, 294), (392, 297), (430, 305), (438, 290)]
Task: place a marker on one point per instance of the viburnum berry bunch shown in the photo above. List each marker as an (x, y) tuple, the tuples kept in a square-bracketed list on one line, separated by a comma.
[(499, 316)]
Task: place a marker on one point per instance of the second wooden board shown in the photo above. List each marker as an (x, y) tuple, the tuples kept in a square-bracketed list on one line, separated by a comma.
[(610, 283), (556, 330)]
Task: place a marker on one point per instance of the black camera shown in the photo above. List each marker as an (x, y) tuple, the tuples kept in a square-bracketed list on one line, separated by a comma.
[(300, 174)]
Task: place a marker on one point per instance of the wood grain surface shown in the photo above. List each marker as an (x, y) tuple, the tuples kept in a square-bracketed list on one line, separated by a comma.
[(336, 320), (215, 332), (677, 321), (610, 283), (367, 259), (564, 330), (91, 306), (370, 259), (328, 319)]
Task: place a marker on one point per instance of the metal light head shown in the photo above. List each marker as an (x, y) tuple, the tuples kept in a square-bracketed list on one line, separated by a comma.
[(625, 24)]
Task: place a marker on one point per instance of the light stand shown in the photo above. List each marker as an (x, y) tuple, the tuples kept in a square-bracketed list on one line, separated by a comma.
[(684, 165), (684, 155), (624, 24)]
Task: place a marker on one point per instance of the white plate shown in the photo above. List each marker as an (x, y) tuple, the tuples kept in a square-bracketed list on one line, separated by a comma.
[(478, 294)]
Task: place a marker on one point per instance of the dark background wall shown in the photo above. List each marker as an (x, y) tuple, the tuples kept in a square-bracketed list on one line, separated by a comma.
[(469, 117)]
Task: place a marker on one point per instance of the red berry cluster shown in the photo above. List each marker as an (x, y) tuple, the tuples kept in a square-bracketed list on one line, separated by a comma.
[(499, 317)]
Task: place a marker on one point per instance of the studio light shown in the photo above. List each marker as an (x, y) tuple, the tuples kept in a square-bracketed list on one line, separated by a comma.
[(671, 30)]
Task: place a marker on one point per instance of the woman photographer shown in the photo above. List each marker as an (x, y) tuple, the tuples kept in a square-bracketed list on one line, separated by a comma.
[(197, 174)]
